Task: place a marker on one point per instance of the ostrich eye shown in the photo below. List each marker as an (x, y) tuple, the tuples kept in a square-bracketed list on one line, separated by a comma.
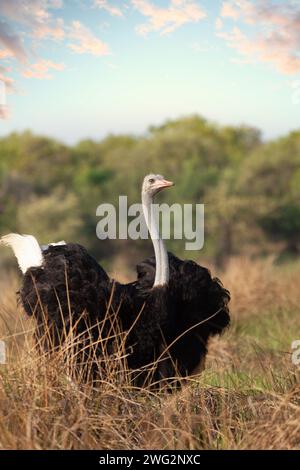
[(151, 180)]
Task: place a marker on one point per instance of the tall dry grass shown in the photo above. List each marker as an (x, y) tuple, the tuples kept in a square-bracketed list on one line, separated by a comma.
[(248, 397)]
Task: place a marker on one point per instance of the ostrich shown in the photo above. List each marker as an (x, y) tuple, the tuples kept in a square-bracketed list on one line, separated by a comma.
[(167, 314), (65, 289), (197, 309)]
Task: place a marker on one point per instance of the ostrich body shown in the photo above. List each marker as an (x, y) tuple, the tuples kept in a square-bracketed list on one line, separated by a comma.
[(197, 310)]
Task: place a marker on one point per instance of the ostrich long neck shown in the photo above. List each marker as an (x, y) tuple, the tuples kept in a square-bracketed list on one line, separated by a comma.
[(161, 255)]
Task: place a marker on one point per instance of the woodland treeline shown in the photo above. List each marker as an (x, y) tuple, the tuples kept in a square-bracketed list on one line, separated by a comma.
[(250, 188)]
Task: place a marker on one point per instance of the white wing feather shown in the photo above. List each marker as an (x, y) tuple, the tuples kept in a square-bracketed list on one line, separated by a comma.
[(26, 250), (46, 247)]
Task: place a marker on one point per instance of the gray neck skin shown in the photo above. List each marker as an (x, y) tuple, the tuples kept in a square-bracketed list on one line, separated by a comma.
[(161, 255)]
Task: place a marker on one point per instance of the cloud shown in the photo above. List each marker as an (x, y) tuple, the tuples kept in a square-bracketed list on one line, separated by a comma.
[(219, 23), (35, 15), (111, 9), (31, 18), (273, 35), (87, 42), (25, 24), (167, 20), (229, 10), (34, 20), (54, 30), (7, 81), (40, 69), (4, 111), (13, 45), (5, 54)]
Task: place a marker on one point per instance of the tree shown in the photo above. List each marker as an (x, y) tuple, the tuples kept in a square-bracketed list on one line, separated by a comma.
[(272, 174)]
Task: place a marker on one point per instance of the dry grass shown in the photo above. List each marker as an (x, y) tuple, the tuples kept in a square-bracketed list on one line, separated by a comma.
[(248, 397)]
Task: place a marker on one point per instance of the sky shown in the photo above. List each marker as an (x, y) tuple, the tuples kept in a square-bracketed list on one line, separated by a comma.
[(75, 69)]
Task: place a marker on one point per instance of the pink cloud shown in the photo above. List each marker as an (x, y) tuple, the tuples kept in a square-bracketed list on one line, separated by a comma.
[(87, 42), (35, 21), (40, 69), (166, 20), (7, 81), (5, 54), (31, 18), (54, 30), (229, 10), (274, 35), (34, 14), (12, 43), (4, 111), (111, 9)]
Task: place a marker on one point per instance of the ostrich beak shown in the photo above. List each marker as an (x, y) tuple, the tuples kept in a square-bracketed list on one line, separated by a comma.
[(164, 184)]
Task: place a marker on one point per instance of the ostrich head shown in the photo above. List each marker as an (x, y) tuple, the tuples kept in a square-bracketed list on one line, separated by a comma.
[(153, 184)]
